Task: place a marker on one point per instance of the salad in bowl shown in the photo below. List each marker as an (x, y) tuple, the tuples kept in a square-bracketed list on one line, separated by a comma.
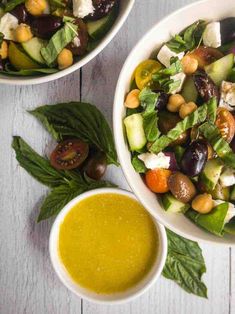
[(180, 124), (39, 37)]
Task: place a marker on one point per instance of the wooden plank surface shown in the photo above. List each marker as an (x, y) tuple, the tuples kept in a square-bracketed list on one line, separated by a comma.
[(27, 281)]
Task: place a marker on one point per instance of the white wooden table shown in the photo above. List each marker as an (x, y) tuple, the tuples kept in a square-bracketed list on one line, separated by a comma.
[(28, 283)]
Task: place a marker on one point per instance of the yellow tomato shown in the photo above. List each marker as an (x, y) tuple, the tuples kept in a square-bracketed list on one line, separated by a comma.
[(144, 72)]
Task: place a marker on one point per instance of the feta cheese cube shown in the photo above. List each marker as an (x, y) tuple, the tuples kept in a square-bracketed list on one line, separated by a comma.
[(82, 8), (230, 212), (178, 77), (227, 178), (227, 99), (76, 41), (211, 35), (153, 161), (8, 24), (165, 55)]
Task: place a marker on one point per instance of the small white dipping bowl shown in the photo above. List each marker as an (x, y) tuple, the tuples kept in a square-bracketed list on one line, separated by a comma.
[(153, 40), (128, 295), (124, 11)]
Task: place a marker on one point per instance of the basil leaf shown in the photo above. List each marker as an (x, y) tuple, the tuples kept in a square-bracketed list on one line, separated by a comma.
[(213, 222), (150, 126), (10, 5), (28, 72), (185, 264), (148, 100), (35, 165), (138, 164), (58, 41), (79, 120)]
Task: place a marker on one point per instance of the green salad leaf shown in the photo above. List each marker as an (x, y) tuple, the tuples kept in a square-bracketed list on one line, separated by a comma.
[(79, 120), (148, 100), (150, 126), (138, 164), (58, 41), (188, 39), (185, 264), (26, 72), (11, 4), (213, 222)]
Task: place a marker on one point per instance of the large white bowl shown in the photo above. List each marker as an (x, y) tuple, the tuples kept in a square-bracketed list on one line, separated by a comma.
[(161, 32), (124, 10), (131, 293)]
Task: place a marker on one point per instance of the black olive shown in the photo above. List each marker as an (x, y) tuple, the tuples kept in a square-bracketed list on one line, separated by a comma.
[(194, 158), (1, 64), (96, 166), (205, 86), (102, 8), (21, 13), (162, 100), (82, 38), (45, 26), (227, 30), (232, 144)]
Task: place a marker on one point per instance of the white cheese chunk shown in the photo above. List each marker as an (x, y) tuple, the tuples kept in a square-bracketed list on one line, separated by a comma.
[(178, 77), (230, 212), (211, 35), (82, 8), (227, 99), (227, 178), (8, 24), (153, 161), (165, 55), (76, 41)]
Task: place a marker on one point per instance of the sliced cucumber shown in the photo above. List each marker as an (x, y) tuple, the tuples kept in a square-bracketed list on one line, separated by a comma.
[(211, 174), (230, 226), (220, 70), (97, 29), (33, 48), (232, 194), (220, 193), (189, 91), (172, 205), (135, 131)]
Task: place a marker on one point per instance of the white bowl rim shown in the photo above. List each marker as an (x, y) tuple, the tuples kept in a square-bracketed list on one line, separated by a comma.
[(77, 65), (161, 256), (117, 135)]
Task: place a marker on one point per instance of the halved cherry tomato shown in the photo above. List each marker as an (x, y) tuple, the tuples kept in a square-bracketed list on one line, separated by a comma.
[(206, 55), (144, 72), (157, 179), (69, 154), (226, 124)]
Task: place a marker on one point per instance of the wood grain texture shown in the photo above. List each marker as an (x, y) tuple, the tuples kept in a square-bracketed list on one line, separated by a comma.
[(28, 284)]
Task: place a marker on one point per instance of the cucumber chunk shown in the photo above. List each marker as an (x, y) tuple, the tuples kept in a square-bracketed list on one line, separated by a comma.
[(135, 131), (172, 205), (220, 70), (230, 226), (220, 193), (211, 174), (189, 91), (33, 48), (232, 194), (97, 29)]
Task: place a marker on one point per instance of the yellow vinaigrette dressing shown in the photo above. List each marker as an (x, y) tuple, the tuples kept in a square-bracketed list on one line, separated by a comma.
[(108, 243)]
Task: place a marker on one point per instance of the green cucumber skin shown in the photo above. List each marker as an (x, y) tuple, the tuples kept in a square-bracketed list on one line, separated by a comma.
[(211, 173), (135, 131), (34, 54), (189, 91), (172, 205)]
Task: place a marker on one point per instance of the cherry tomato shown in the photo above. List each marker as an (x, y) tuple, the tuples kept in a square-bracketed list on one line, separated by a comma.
[(206, 55), (226, 124), (96, 166), (144, 72), (157, 179), (69, 154)]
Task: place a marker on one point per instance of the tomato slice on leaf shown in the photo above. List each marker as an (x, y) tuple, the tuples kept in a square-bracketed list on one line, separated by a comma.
[(144, 72)]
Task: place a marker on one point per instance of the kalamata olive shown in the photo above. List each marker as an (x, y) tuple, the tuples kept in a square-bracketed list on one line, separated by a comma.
[(173, 162), (20, 13), (227, 30), (194, 158), (79, 44), (206, 55), (45, 26), (205, 86), (162, 100), (167, 121), (1, 64), (181, 187), (102, 8), (96, 166)]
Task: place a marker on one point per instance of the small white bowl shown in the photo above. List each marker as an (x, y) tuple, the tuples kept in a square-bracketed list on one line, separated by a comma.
[(154, 38), (63, 275), (124, 11)]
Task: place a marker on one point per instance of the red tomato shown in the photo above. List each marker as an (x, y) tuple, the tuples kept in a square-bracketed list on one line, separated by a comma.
[(157, 179)]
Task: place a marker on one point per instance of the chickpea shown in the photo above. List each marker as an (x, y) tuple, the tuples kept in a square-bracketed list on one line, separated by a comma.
[(187, 109), (189, 64), (23, 33), (203, 203), (174, 103), (36, 7), (4, 50), (65, 59), (132, 99)]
